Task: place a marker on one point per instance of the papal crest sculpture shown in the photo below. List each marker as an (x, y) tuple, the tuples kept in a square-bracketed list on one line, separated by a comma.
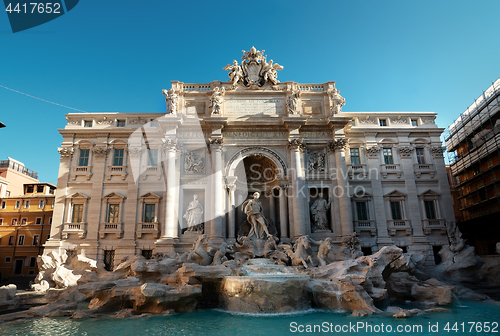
[(254, 70)]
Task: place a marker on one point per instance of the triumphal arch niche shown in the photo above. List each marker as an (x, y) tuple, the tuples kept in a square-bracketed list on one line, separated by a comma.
[(271, 149)]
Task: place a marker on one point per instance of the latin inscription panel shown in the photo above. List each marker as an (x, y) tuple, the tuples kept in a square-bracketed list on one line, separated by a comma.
[(254, 106)]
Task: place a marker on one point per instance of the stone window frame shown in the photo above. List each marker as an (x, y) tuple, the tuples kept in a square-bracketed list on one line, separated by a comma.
[(422, 144), (17, 205), (24, 221), (149, 198), (397, 196), (4, 205), (122, 170), (21, 240), (78, 170), (438, 222), (36, 220), (36, 242), (431, 195), (113, 198), (41, 204), (362, 197), (27, 204), (152, 170), (77, 198)]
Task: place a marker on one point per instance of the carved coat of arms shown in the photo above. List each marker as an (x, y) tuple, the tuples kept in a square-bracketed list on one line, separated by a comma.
[(254, 70)]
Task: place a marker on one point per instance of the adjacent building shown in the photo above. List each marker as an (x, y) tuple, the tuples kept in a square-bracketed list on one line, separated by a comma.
[(474, 141), (24, 227), (139, 183), (13, 176)]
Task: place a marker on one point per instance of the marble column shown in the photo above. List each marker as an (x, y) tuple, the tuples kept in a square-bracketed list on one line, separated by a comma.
[(231, 186), (272, 207), (215, 233), (298, 198), (170, 227), (334, 208), (283, 212), (342, 186)]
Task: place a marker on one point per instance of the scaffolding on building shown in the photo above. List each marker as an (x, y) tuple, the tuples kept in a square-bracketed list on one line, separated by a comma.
[(473, 143)]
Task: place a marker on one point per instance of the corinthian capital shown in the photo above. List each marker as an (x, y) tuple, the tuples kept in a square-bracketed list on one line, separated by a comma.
[(296, 144), (215, 143), (337, 144), (66, 152), (170, 144)]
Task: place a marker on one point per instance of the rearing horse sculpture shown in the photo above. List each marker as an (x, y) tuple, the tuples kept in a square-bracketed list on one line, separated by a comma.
[(299, 254)]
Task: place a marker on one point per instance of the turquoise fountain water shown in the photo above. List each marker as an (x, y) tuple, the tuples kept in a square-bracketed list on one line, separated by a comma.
[(220, 323)]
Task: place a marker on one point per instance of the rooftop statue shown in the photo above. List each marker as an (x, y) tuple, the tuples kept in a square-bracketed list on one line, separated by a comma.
[(172, 100)]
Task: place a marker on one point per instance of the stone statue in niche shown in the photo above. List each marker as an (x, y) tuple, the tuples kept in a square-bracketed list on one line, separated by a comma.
[(216, 100), (194, 163), (336, 101), (319, 210), (194, 215), (292, 102), (255, 218), (236, 73), (172, 100), (316, 162)]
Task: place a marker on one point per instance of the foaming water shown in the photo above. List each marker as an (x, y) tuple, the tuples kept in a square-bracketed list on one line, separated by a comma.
[(267, 314), (223, 323)]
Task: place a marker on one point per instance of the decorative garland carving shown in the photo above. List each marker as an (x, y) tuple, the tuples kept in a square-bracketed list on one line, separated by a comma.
[(372, 151), (399, 120), (135, 151), (405, 151), (437, 151), (366, 120), (105, 121), (100, 152)]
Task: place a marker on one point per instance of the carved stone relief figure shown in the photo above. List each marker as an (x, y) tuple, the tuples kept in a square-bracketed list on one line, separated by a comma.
[(194, 215), (216, 100), (316, 162), (172, 100), (319, 210), (336, 101), (194, 163), (292, 102)]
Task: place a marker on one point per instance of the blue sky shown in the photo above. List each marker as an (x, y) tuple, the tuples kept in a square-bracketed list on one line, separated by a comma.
[(116, 56)]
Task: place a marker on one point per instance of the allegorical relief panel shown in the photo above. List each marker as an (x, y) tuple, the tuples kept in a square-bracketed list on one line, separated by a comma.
[(194, 162), (316, 162)]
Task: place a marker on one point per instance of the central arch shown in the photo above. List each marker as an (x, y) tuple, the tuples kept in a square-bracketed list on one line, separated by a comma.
[(238, 157)]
